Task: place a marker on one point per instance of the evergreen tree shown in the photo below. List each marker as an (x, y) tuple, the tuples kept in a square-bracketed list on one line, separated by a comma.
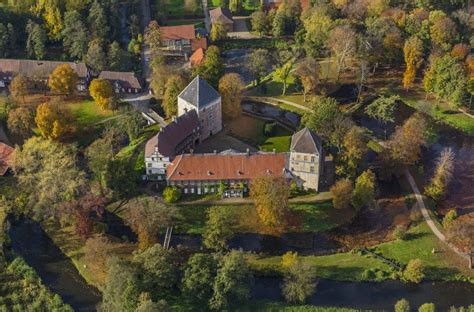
[(98, 21), (74, 35), (118, 59), (35, 43), (95, 56)]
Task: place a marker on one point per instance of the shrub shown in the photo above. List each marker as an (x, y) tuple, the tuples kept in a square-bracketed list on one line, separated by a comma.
[(342, 194), (288, 259), (294, 189), (427, 307), (400, 232), (449, 218), (269, 129), (414, 271), (171, 194), (402, 305)]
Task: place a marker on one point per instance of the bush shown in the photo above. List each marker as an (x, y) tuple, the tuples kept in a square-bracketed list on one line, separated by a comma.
[(449, 218), (402, 305), (288, 259), (427, 307), (171, 194), (400, 232), (269, 129), (414, 271)]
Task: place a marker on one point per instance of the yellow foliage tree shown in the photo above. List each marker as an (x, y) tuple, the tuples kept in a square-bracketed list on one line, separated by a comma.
[(52, 122), (413, 53), (63, 80), (289, 259), (101, 91), (230, 88)]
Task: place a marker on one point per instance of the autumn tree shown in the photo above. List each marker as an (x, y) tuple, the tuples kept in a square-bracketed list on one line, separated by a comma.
[(258, 64), (414, 271), (308, 72), (21, 122), (284, 69), (53, 122), (19, 87), (354, 150), (342, 194), (260, 22), (443, 32), (383, 109), (402, 305), (36, 40), (413, 54), (219, 228), (442, 175), (174, 86), (152, 37), (146, 217), (364, 190), (230, 89), (54, 178), (460, 50), (299, 283), (232, 282), (427, 307), (342, 43), (74, 34), (63, 80), (96, 254), (102, 93), (191, 6), (212, 68), (270, 195), (50, 11), (218, 31), (159, 74), (461, 234)]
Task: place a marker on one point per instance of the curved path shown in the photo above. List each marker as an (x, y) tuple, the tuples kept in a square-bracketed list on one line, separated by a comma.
[(275, 101), (429, 220)]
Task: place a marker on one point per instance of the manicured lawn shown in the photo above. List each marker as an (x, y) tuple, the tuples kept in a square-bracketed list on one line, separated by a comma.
[(87, 112), (355, 267), (138, 144)]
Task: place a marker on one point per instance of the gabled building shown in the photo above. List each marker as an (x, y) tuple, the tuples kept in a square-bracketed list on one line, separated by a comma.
[(224, 16), (38, 72), (181, 38), (122, 82), (6, 153), (202, 97)]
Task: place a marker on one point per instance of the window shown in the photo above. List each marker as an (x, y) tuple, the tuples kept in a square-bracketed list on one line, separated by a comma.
[(311, 169), (306, 158), (149, 165), (313, 159), (164, 165)]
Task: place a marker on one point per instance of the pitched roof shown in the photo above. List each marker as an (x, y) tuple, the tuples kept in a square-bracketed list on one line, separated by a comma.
[(198, 43), (40, 69), (173, 134), (221, 14), (306, 141), (199, 93), (126, 79), (197, 57), (177, 32), (5, 157), (225, 166)]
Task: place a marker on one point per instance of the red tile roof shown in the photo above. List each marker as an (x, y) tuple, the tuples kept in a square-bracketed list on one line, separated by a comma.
[(5, 157), (199, 43), (177, 32), (197, 57), (225, 167)]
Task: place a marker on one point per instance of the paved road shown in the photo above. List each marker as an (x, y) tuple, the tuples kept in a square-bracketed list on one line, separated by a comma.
[(207, 19)]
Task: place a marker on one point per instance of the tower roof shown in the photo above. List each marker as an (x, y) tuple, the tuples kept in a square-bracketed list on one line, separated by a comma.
[(199, 93), (306, 141)]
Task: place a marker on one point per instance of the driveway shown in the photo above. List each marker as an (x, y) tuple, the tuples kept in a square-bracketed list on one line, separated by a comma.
[(241, 30)]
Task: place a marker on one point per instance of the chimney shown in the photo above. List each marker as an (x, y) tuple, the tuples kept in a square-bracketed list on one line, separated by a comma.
[(248, 152)]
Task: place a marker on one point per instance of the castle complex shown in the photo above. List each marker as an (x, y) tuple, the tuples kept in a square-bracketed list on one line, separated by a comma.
[(169, 155)]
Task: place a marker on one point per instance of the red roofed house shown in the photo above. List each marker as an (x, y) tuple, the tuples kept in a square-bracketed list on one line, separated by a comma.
[(181, 38), (198, 57), (5, 158)]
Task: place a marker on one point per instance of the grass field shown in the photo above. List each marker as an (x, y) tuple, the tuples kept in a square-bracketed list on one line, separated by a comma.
[(355, 267)]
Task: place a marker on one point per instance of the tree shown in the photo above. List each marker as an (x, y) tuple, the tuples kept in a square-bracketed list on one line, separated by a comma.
[(283, 71), (414, 271), (218, 31), (35, 42), (461, 234), (21, 122), (131, 122), (442, 176), (96, 253), (53, 122), (258, 63), (364, 190), (174, 86), (383, 109), (427, 307), (354, 150), (449, 218), (146, 217), (318, 25), (63, 79), (323, 116), (402, 305), (212, 67), (121, 179), (342, 42), (260, 22), (230, 89), (342, 194), (74, 35), (235, 5), (460, 50), (97, 20), (152, 37), (54, 178), (446, 78), (95, 56), (443, 32), (19, 87), (50, 11), (3, 40), (219, 228), (122, 286), (158, 268), (191, 6), (102, 93), (159, 74), (308, 72), (289, 259), (413, 54), (117, 58), (232, 282), (270, 195), (148, 305), (199, 275), (299, 283), (171, 194)]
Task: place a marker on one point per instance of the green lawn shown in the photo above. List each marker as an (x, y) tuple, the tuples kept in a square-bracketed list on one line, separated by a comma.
[(88, 113), (137, 145), (355, 267)]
